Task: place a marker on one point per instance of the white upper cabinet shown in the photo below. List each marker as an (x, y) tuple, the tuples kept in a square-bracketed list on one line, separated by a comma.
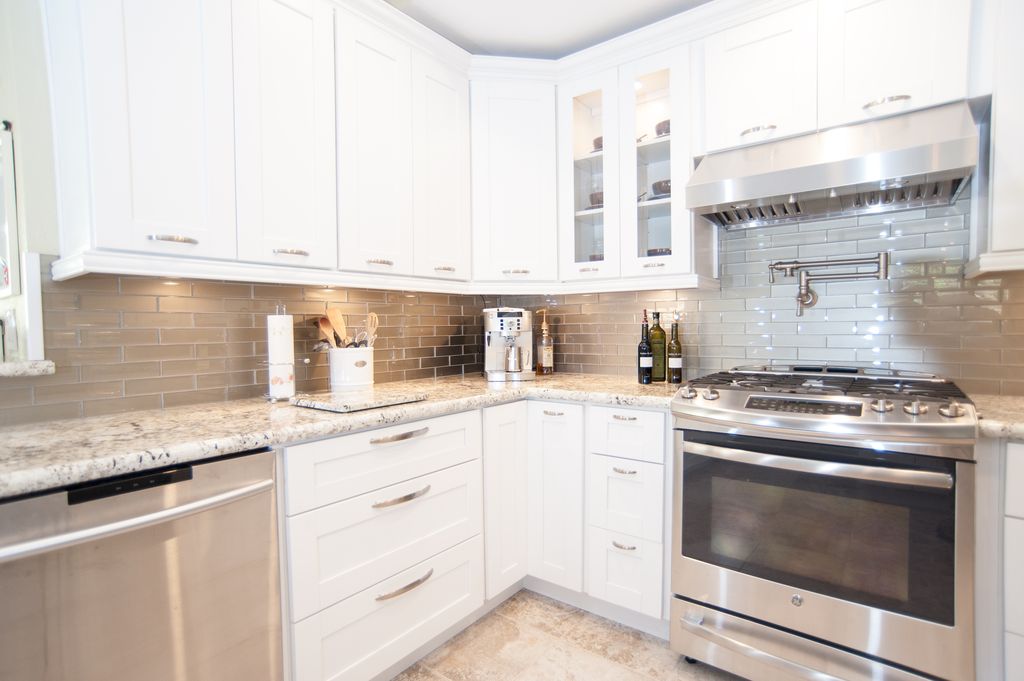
[(440, 127), (878, 57), (374, 148), (143, 110), (760, 78), (513, 177), (588, 183), (284, 129)]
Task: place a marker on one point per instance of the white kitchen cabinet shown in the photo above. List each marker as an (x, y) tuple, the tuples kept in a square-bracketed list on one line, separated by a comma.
[(375, 156), (440, 104), (506, 552), (1014, 657), (866, 47), (284, 132), (1013, 568), (1014, 485), (588, 183), (144, 135), (626, 433), (626, 496), (625, 570), (555, 493), (512, 125), (760, 78)]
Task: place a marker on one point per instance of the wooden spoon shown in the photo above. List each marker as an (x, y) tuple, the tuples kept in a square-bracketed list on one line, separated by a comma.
[(337, 320), (327, 331)]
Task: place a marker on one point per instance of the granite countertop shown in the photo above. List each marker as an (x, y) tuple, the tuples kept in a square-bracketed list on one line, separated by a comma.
[(58, 453), (1002, 416), (38, 367)]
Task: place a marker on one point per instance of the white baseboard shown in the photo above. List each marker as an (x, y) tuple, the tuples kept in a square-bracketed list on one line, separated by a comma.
[(645, 623)]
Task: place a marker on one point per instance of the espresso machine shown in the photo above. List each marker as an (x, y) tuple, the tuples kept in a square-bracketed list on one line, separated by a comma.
[(508, 344)]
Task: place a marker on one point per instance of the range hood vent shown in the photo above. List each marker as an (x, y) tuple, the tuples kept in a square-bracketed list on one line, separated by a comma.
[(913, 160)]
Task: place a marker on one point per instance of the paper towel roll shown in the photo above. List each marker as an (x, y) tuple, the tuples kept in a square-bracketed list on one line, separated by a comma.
[(281, 381), (280, 344)]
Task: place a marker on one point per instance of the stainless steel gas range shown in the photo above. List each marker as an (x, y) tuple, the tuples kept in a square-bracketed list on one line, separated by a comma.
[(824, 524)]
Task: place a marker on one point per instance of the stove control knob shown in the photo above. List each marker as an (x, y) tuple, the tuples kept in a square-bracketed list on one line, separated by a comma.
[(687, 392), (710, 394), (915, 408), (881, 405), (952, 410)]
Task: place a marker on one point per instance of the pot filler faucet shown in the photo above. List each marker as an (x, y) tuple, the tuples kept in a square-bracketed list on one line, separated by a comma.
[(806, 297)]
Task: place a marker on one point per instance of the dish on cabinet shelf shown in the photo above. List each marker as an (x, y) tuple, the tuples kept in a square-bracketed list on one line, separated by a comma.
[(663, 128), (655, 252), (599, 143)]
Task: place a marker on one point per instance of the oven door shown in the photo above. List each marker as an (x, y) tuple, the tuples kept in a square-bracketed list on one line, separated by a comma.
[(858, 548)]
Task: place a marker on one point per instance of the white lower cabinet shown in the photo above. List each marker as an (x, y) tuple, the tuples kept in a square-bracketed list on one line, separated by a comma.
[(555, 493), (365, 634), (1014, 656), (625, 570), (1013, 568), (625, 496), (505, 495)]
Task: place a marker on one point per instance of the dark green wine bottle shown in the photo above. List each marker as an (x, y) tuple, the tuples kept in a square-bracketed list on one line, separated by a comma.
[(675, 356), (644, 356), (658, 348)]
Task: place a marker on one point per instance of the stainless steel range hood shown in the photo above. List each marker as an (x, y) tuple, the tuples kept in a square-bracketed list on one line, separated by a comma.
[(923, 158)]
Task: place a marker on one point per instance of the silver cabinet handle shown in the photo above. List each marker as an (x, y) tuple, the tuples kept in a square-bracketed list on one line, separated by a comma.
[(620, 417), (405, 498), (759, 128), (60, 541), (623, 471), (290, 251), (553, 413), (892, 476), (885, 100), (444, 268), (407, 588), (623, 547), (515, 271), (590, 269), (399, 437), (654, 264), (696, 626), (173, 238), (381, 261)]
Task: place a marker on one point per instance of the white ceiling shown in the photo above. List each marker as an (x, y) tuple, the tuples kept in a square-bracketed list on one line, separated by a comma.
[(536, 28)]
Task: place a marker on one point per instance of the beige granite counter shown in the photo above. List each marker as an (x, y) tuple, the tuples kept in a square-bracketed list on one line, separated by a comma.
[(38, 367), (1002, 416), (41, 456)]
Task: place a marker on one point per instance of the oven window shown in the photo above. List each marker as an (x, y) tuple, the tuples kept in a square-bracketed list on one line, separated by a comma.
[(881, 545)]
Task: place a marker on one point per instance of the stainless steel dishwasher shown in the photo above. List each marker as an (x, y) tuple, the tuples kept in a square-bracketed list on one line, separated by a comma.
[(169, 575)]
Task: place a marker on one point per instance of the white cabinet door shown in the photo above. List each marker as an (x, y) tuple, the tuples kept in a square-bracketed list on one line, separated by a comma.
[(284, 128), (556, 493), (878, 57), (1014, 656), (760, 78), (440, 126), (626, 496), (374, 148), (1013, 569), (626, 433), (1007, 114), (513, 170), (625, 570), (158, 97), (505, 484)]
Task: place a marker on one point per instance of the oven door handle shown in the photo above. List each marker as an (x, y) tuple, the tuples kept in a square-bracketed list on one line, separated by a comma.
[(695, 625), (892, 476)]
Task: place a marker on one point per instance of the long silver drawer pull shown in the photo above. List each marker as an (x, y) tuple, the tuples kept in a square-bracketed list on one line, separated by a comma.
[(553, 413), (290, 251), (623, 471), (620, 417), (405, 498), (654, 264), (408, 435), (173, 238), (893, 476), (515, 271), (759, 128), (696, 626), (380, 261), (885, 100), (407, 588), (623, 547), (444, 268)]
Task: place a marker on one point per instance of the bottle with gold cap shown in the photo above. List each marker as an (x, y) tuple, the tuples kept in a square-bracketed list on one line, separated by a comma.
[(545, 348)]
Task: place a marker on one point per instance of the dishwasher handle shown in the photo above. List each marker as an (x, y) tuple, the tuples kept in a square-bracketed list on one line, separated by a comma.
[(64, 540)]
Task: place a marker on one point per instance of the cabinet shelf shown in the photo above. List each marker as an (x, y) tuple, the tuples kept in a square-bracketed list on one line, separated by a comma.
[(655, 150), (589, 159), (653, 203), (587, 212)]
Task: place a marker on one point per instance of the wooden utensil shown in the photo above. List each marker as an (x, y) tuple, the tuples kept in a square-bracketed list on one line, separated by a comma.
[(338, 322), (327, 331)]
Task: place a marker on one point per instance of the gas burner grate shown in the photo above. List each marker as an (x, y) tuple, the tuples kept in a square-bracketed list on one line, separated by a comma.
[(838, 383)]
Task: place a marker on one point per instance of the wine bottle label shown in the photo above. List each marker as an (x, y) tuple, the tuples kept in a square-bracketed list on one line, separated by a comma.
[(675, 362), (547, 357), (646, 362)]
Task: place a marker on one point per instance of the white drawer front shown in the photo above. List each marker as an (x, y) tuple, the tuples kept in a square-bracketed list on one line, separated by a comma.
[(626, 433), (1015, 479), (626, 496), (320, 473), (625, 571), (337, 550), (362, 636), (1013, 568)]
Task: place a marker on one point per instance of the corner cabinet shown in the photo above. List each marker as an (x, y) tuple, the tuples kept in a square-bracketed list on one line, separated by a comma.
[(505, 496)]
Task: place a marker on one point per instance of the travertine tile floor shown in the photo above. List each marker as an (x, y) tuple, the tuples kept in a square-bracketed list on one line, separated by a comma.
[(533, 638)]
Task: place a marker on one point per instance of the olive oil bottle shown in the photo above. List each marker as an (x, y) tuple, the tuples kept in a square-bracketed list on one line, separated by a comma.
[(675, 356), (658, 348)]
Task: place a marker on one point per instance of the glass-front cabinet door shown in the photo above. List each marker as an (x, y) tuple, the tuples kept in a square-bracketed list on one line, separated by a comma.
[(589, 195), (655, 121)]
